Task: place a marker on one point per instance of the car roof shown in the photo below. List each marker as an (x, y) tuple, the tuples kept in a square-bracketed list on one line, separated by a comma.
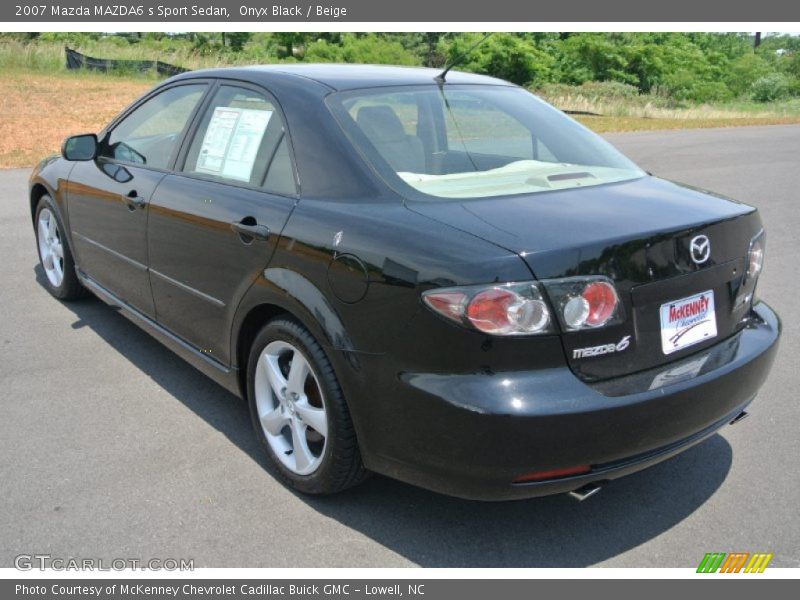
[(347, 76)]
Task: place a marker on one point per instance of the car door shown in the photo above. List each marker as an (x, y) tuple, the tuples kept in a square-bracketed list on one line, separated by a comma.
[(215, 223), (107, 198)]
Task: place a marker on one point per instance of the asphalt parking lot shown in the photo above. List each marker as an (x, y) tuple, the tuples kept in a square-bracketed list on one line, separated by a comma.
[(113, 447)]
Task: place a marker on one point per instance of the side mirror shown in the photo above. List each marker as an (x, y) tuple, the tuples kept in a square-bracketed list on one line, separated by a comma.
[(80, 147)]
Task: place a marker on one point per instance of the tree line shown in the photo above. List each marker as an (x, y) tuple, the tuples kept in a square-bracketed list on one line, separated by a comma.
[(694, 67)]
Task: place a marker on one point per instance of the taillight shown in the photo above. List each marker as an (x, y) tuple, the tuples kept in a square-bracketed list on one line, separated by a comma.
[(593, 307), (521, 308), (503, 311), (755, 264), (585, 302), (755, 257), (447, 304), (510, 309)]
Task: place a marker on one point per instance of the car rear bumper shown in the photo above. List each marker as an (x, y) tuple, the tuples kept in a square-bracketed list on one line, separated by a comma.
[(473, 435)]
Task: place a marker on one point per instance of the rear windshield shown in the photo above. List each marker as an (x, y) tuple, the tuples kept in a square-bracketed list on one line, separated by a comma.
[(475, 142)]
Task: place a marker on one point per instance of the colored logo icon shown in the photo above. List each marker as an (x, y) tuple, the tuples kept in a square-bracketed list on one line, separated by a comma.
[(735, 562)]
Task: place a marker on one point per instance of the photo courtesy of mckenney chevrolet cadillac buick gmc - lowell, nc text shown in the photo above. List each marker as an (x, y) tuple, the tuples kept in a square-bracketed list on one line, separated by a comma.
[(432, 276)]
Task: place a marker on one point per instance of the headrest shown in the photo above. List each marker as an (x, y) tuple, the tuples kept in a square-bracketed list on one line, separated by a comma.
[(380, 124)]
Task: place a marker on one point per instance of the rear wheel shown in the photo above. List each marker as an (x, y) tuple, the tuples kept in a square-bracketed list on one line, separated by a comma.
[(299, 412), (55, 256)]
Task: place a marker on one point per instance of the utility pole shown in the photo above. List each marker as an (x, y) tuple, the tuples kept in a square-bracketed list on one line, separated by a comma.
[(757, 41)]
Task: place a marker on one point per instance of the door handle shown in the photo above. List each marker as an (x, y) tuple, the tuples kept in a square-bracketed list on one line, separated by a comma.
[(134, 200), (248, 228)]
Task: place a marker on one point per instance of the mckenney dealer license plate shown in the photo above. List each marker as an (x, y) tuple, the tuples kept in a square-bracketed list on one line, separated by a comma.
[(688, 321)]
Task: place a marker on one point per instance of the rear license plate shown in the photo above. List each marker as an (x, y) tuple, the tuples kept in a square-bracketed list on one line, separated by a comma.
[(688, 321)]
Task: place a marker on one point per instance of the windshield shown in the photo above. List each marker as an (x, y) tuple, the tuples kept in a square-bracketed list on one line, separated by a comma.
[(475, 141)]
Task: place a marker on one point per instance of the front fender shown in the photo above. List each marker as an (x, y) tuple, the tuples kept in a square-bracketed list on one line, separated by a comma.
[(51, 176)]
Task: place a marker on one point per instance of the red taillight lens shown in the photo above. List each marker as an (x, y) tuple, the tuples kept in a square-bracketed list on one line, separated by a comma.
[(602, 300), (502, 311), (510, 309), (552, 474), (489, 311), (585, 304)]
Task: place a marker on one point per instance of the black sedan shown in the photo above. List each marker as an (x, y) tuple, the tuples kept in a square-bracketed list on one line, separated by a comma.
[(441, 279)]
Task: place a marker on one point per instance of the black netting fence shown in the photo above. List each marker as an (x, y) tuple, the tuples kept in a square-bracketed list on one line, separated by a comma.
[(76, 60)]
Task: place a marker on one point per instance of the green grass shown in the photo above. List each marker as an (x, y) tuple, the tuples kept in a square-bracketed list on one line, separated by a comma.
[(645, 106), (601, 124), (49, 56)]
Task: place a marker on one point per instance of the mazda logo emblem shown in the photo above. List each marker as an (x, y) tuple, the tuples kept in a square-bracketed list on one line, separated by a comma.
[(700, 249)]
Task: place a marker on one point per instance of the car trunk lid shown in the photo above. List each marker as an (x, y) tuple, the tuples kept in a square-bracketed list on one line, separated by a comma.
[(639, 234)]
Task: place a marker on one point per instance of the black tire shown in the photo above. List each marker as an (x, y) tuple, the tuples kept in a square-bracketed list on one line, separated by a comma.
[(70, 287), (341, 466)]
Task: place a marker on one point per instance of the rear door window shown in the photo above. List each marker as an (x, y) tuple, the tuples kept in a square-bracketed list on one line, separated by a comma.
[(241, 139)]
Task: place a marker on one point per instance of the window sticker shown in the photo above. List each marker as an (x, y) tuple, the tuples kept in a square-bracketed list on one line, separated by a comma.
[(231, 142)]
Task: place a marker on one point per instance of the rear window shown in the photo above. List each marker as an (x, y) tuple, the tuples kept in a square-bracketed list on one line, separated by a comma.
[(475, 142)]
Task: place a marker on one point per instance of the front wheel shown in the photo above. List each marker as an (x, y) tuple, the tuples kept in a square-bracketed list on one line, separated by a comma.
[(299, 412), (55, 256)]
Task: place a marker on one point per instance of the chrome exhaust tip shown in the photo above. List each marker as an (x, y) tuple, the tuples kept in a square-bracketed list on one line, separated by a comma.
[(587, 491), (740, 417)]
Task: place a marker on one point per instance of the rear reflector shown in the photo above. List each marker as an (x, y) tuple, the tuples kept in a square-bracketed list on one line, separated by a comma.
[(552, 474)]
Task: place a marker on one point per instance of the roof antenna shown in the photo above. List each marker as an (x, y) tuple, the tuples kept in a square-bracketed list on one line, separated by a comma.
[(441, 76)]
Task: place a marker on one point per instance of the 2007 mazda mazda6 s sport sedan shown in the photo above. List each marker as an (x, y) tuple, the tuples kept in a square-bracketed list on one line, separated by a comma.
[(437, 278)]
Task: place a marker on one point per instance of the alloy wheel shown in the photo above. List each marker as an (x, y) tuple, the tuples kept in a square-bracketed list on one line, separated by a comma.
[(51, 248), (291, 407)]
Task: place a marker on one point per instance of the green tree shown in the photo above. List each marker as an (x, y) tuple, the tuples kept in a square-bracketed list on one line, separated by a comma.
[(504, 55), (288, 41), (237, 40), (770, 87), (745, 71), (369, 49)]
